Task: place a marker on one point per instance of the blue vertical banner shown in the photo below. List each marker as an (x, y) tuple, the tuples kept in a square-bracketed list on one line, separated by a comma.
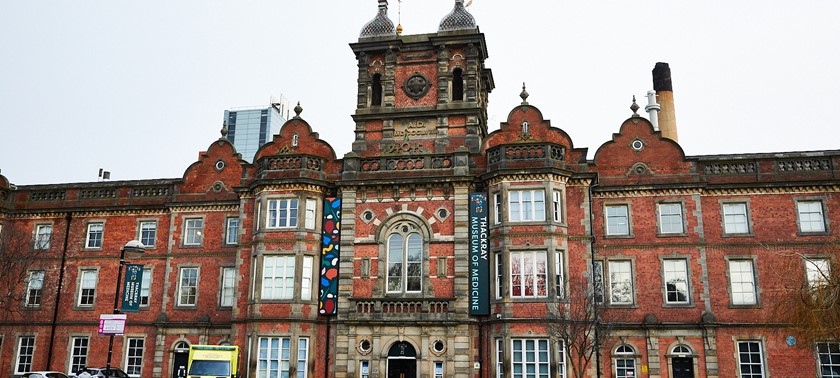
[(131, 290), (330, 240), (479, 256)]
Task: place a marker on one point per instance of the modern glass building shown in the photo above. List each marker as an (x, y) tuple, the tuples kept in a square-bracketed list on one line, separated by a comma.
[(250, 128)]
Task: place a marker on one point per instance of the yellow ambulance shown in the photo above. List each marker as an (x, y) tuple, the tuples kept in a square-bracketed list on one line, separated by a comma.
[(215, 361)]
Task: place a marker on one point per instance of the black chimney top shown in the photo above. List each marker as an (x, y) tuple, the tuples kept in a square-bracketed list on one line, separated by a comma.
[(662, 77)]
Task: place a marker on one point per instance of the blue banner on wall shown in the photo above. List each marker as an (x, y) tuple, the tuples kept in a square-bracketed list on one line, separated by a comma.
[(330, 240), (131, 290), (479, 256)]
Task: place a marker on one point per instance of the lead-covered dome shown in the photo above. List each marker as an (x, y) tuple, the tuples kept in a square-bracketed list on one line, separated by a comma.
[(381, 25), (458, 19)]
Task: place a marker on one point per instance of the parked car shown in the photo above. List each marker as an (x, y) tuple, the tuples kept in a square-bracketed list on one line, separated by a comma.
[(44, 374), (98, 373)]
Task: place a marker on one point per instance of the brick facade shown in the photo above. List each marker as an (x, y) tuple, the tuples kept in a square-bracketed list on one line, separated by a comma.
[(617, 225)]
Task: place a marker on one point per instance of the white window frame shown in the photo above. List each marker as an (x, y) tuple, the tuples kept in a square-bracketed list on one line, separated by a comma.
[(736, 218), (87, 277), (146, 288), (528, 275), (279, 360), (147, 233), (226, 295), (282, 213), (500, 274), (134, 356), (404, 251), (743, 285), (526, 205), (306, 279), (625, 354), (810, 216), (364, 369), (562, 368), (500, 358), (497, 208), (193, 231), (302, 357), (34, 288), (817, 271), (188, 286), (309, 214), (43, 234), (557, 205), (750, 353), (232, 231), (559, 276), (599, 293), (828, 357), (675, 272), (522, 350), (278, 277), (621, 280), (79, 348), (95, 235), (25, 354), (623, 220), (671, 218)]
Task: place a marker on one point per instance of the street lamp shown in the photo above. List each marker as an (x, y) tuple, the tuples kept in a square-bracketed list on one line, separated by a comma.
[(133, 248)]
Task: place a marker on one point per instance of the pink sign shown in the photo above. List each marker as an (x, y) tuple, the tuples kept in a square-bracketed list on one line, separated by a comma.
[(111, 324)]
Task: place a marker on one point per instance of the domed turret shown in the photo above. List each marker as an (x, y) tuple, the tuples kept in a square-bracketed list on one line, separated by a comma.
[(458, 19), (381, 25)]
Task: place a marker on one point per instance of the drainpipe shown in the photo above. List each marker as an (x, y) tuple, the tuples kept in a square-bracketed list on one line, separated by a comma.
[(68, 217), (327, 354), (594, 302)]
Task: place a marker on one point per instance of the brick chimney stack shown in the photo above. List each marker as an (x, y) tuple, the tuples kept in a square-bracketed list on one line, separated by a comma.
[(665, 95)]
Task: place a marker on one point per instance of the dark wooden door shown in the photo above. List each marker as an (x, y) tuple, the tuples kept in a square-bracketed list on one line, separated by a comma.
[(683, 367), (402, 368), (179, 364)]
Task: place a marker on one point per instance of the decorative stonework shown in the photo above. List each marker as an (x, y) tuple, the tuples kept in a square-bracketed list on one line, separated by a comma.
[(732, 168), (416, 86), (51, 195), (97, 193), (290, 163), (147, 192), (526, 152), (804, 165), (406, 163)]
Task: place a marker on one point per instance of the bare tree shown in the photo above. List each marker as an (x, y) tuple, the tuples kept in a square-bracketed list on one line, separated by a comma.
[(581, 324), (18, 256), (808, 296)]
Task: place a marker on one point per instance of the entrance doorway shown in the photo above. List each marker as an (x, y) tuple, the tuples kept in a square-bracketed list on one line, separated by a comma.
[(180, 359), (683, 367), (402, 361)]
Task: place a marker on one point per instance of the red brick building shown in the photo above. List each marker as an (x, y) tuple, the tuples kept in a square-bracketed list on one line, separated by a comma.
[(681, 259)]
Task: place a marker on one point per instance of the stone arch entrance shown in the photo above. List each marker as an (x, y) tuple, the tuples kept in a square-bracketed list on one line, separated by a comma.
[(682, 362), (402, 361), (180, 358)]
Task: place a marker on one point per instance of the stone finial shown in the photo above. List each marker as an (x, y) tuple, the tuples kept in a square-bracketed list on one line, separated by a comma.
[(634, 107), (298, 110), (224, 129), (524, 95)]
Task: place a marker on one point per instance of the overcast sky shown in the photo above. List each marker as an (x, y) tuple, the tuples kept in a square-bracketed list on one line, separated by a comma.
[(140, 88)]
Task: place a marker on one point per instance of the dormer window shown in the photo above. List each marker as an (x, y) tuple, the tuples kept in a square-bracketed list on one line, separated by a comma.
[(457, 85), (376, 90)]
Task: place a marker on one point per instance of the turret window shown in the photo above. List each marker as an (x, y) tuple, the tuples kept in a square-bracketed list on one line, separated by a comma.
[(457, 85), (376, 90)]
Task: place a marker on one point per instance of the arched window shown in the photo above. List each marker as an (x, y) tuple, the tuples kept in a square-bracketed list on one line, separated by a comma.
[(376, 90), (457, 85), (681, 350), (625, 362), (405, 259)]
